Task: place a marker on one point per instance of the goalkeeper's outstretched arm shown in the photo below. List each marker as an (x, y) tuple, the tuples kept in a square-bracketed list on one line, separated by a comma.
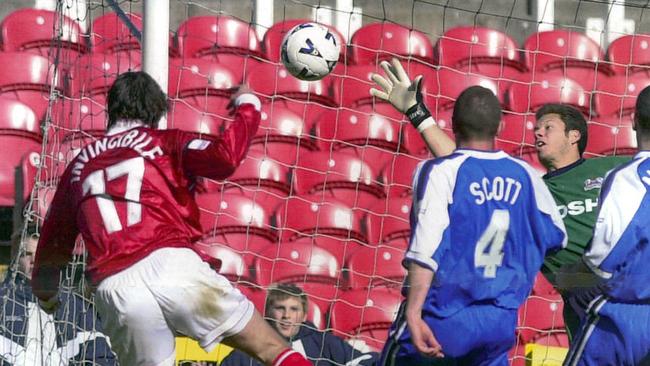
[(405, 95)]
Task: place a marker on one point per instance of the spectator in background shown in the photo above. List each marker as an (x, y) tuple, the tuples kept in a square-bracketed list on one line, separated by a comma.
[(286, 311), (29, 336)]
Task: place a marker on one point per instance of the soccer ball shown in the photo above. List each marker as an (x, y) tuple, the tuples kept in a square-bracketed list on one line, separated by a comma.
[(310, 51)]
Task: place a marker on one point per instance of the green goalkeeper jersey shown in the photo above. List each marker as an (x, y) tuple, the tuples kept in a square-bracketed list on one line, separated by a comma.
[(575, 189)]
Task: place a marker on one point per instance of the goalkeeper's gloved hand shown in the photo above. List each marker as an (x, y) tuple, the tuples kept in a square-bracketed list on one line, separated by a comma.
[(398, 90)]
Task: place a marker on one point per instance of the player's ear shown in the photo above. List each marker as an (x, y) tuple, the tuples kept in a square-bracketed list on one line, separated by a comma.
[(574, 136)]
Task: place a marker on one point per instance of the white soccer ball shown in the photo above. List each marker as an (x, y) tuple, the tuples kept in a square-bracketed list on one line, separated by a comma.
[(310, 51)]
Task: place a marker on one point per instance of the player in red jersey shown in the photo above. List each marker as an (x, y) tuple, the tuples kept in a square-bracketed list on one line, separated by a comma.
[(129, 194)]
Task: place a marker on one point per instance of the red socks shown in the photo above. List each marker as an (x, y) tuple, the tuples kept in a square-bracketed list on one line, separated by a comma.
[(289, 357)]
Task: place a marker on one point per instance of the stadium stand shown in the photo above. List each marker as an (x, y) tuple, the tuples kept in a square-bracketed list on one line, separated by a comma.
[(322, 199)]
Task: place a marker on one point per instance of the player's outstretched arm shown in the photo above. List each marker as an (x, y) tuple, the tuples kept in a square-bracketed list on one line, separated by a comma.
[(419, 282), (217, 158), (405, 95)]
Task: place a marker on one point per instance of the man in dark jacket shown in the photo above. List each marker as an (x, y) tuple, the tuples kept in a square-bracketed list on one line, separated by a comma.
[(286, 311), (29, 336)]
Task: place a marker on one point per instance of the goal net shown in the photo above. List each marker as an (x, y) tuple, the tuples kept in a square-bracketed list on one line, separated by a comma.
[(323, 198)]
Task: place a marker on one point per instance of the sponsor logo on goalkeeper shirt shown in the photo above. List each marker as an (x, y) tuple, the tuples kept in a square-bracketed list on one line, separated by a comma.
[(575, 208), (595, 183)]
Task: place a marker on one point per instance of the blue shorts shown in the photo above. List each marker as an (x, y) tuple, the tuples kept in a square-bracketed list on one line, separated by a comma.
[(477, 335), (613, 334)]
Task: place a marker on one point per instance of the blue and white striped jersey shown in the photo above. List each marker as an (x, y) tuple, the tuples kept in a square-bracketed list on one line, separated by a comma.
[(619, 251), (483, 222)]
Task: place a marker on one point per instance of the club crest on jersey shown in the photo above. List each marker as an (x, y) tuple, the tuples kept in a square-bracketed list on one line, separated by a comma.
[(593, 183)]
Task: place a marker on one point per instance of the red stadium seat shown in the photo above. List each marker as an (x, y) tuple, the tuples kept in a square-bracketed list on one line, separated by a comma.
[(30, 29), (358, 128), (629, 53), (376, 266), (207, 35), (537, 89), (260, 177), (609, 140), (246, 245), (28, 78), (518, 132), (366, 314), (397, 175), (186, 117), (340, 248), (61, 150), (291, 262), (273, 37), (381, 41), (322, 294), (301, 216), (331, 172), (561, 49), (15, 148), (479, 49), (232, 266), (192, 77), (283, 134), (111, 35), (388, 220), (18, 118), (76, 115), (540, 316), (223, 213), (453, 82), (95, 73), (616, 95), (240, 65), (271, 80)]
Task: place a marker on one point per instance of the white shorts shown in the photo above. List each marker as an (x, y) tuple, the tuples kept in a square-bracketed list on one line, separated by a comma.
[(170, 292)]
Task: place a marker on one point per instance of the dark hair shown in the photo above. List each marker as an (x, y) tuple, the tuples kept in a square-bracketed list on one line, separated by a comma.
[(283, 291), (573, 120), (642, 111), (477, 114), (136, 95)]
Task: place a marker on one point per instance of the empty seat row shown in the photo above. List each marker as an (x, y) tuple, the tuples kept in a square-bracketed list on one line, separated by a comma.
[(467, 47), (207, 85)]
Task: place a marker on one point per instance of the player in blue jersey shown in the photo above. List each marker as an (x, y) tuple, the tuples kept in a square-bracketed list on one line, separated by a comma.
[(616, 330), (482, 223)]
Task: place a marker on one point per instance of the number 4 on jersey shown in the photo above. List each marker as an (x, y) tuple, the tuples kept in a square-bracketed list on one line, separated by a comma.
[(489, 248)]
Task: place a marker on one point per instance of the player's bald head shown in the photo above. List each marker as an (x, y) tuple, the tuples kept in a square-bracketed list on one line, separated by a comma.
[(477, 114)]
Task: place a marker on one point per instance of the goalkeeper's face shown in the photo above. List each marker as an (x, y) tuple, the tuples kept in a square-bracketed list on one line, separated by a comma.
[(553, 143), (286, 316)]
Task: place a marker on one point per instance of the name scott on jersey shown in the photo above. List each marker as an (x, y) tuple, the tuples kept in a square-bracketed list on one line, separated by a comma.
[(137, 140), (498, 189)]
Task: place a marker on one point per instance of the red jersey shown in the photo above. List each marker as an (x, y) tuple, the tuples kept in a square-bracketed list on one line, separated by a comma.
[(129, 194)]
